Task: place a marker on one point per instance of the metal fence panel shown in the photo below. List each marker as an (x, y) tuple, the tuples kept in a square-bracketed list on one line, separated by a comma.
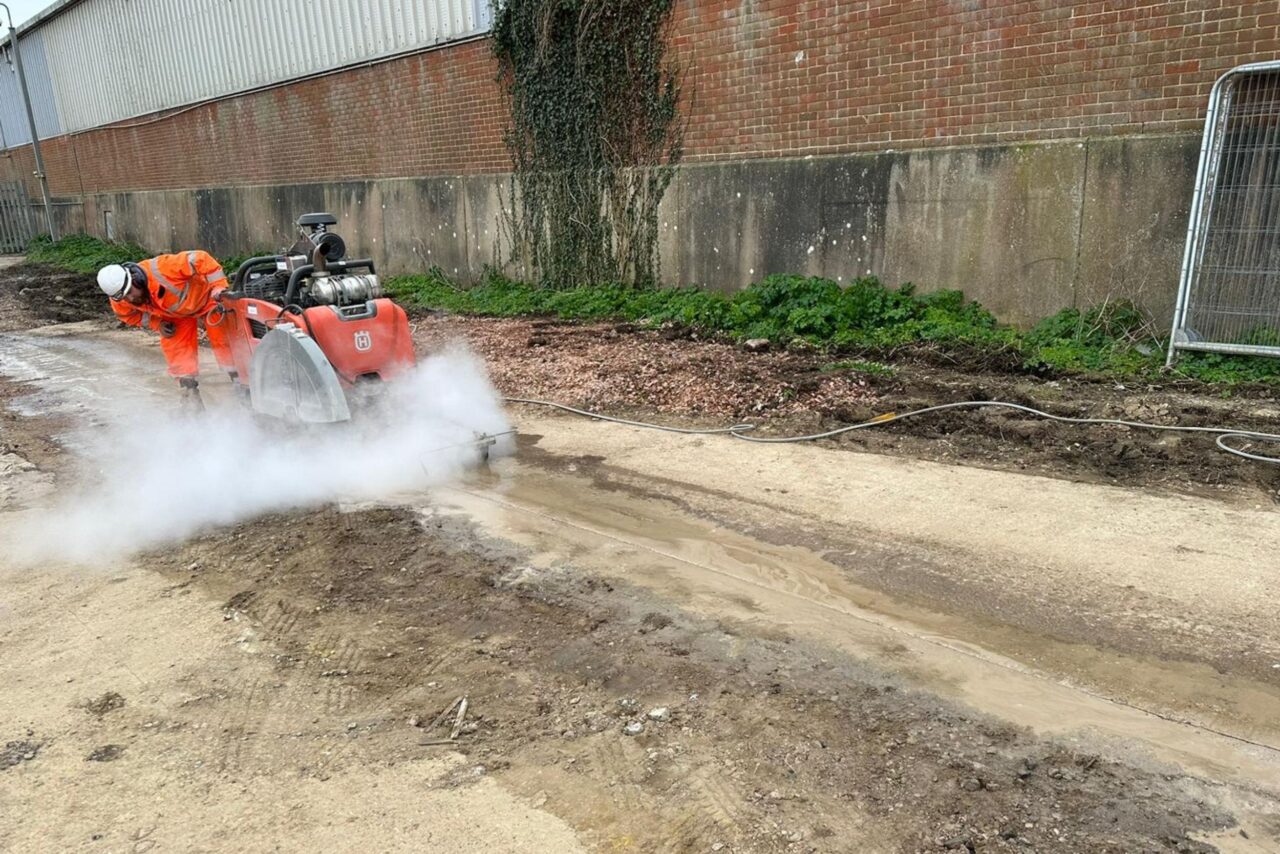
[(15, 218), (1229, 296), (115, 59)]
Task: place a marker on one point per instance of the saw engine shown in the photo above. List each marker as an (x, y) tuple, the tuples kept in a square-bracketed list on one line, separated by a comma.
[(310, 326)]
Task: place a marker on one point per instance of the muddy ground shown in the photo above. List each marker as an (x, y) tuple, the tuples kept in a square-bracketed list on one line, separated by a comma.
[(759, 744), (644, 727), (641, 724), (32, 294)]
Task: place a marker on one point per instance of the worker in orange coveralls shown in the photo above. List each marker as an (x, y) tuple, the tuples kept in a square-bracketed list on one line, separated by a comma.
[(173, 295)]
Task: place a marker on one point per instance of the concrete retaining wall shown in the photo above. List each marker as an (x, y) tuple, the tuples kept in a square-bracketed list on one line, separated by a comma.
[(1025, 229)]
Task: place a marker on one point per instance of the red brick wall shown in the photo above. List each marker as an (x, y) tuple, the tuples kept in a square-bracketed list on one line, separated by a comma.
[(772, 78), (435, 113), (764, 77)]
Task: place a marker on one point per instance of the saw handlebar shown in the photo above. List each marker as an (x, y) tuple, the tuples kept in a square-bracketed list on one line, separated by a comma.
[(252, 264), (272, 262)]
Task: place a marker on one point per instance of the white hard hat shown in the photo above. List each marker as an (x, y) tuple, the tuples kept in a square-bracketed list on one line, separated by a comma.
[(114, 280)]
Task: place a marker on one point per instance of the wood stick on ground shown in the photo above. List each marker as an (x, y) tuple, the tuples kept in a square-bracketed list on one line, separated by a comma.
[(457, 724), (440, 718)]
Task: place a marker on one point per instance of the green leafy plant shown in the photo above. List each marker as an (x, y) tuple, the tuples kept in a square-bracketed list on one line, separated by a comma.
[(595, 133), (1112, 341), (1111, 338), (232, 262), (860, 366), (1115, 340), (81, 253)]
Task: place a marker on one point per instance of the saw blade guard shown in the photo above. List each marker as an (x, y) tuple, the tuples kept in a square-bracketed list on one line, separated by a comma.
[(292, 380)]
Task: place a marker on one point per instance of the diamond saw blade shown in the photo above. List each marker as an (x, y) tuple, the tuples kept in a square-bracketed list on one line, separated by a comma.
[(291, 379)]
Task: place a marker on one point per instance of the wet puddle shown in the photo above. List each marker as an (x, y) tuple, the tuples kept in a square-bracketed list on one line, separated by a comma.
[(564, 521)]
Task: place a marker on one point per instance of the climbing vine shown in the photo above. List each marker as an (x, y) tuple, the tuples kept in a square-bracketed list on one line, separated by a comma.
[(595, 133)]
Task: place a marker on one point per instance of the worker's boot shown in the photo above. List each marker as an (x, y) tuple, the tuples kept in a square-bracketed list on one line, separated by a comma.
[(191, 400), (239, 389)]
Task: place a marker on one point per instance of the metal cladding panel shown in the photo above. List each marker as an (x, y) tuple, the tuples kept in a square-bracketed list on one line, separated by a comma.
[(93, 77), (116, 59), (13, 115)]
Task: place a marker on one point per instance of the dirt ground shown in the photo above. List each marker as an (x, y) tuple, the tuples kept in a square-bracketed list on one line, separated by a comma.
[(765, 744), (652, 662), (33, 294), (747, 741)]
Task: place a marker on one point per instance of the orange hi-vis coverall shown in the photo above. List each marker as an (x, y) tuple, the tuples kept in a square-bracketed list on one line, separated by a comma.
[(181, 293)]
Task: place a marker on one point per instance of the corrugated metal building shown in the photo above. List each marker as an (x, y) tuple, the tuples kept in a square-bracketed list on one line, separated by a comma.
[(95, 62)]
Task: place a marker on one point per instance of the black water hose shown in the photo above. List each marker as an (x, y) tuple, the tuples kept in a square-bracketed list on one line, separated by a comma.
[(302, 315), (295, 283)]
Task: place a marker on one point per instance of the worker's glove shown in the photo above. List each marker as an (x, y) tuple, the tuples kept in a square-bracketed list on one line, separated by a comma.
[(167, 328), (217, 294)]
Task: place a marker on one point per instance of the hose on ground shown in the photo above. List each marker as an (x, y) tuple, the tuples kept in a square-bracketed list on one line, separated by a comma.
[(688, 431), (1224, 435)]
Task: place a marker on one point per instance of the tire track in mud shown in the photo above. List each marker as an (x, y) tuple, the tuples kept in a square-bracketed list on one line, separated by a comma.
[(310, 697), (317, 692), (715, 810)]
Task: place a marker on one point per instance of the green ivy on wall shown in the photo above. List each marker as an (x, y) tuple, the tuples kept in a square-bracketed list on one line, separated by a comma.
[(595, 133)]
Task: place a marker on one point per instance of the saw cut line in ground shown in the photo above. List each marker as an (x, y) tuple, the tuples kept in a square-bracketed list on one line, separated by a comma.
[(1223, 436)]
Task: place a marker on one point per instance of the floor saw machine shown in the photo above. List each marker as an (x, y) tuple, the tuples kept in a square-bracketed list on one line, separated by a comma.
[(311, 331), (309, 326)]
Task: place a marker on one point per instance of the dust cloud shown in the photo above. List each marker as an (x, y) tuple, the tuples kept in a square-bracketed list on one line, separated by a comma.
[(157, 476)]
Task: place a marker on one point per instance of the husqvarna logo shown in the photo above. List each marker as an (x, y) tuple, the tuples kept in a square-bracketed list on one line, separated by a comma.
[(364, 341)]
